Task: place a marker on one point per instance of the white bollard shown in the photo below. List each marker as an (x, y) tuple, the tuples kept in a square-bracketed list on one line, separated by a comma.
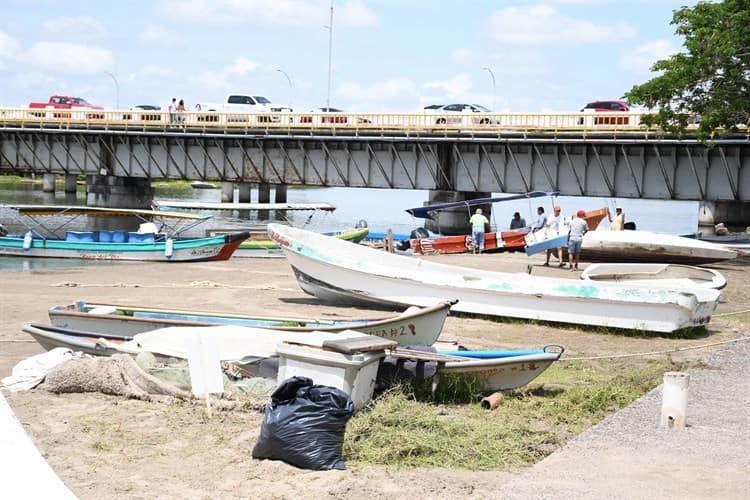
[(674, 400)]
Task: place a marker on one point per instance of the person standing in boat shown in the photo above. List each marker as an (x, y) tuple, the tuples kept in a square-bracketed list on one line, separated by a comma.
[(554, 224), (477, 222), (617, 223), (541, 221), (517, 222), (578, 227)]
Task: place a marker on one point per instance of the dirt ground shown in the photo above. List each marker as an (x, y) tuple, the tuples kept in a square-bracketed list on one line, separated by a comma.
[(106, 447)]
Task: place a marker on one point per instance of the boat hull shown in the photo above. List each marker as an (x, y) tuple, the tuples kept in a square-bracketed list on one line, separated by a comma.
[(339, 272), (187, 250), (412, 327), (502, 374), (259, 245), (493, 242), (644, 246)]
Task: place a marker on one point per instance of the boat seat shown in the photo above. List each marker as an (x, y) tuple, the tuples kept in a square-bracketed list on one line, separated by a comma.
[(103, 310)]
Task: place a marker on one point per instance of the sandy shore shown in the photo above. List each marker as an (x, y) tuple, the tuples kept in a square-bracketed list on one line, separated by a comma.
[(106, 447)]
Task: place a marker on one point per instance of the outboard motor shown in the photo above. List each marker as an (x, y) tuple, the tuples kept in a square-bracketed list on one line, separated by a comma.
[(361, 224), (418, 233), (629, 226)]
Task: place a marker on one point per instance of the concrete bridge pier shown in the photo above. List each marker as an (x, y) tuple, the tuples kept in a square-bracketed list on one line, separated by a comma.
[(48, 183), (280, 193), (71, 181), (734, 215), (264, 192), (111, 191), (455, 221), (227, 192), (243, 192)]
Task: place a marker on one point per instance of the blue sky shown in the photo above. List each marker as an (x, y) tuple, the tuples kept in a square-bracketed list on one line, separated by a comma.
[(388, 55)]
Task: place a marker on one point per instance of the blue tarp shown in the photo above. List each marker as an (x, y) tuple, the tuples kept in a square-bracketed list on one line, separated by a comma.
[(424, 212)]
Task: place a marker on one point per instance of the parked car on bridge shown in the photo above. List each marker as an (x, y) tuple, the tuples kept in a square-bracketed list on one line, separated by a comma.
[(462, 114), (64, 102), (332, 115), (606, 107), (246, 104)]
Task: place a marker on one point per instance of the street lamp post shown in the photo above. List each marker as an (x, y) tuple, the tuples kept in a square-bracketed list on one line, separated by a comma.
[(117, 89), (288, 80), (330, 49), (494, 92)]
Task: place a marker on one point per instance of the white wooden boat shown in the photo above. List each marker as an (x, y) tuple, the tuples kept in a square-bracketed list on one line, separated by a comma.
[(645, 246), (414, 326), (338, 271), (663, 275), (501, 371)]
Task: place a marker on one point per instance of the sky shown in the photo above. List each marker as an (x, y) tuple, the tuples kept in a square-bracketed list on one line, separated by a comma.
[(386, 55)]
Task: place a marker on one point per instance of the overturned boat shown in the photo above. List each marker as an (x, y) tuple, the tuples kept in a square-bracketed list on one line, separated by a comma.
[(338, 271)]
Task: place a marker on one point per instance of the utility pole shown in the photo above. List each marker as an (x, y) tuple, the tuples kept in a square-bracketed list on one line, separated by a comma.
[(288, 80), (330, 49)]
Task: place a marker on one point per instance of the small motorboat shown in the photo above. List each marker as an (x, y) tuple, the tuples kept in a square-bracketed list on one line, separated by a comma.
[(662, 275)]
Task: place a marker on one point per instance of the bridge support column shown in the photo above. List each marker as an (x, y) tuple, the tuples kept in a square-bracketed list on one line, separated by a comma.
[(118, 192), (243, 192), (734, 214), (70, 183), (227, 192), (264, 193), (280, 193), (48, 183), (455, 221)]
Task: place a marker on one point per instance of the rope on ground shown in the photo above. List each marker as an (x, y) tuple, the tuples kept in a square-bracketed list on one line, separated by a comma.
[(192, 284), (731, 313), (654, 353), (10, 341)]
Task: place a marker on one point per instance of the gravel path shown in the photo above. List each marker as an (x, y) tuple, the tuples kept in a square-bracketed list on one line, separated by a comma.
[(628, 456)]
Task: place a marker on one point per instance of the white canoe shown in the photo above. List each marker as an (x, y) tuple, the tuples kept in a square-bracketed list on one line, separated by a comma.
[(644, 246), (342, 272), (662, 275)]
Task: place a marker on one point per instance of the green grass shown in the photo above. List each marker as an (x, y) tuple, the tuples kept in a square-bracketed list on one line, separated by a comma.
[(404, 427)]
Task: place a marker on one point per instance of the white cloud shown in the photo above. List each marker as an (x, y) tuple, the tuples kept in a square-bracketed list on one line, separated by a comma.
[(640, 59), (35, 79), (225, 78), (377, 91), (77, 28), (543, 25), (8, 45), (463, 56), (455, 88), (158, 35), (262, 13), (241, 66), (70, 58)]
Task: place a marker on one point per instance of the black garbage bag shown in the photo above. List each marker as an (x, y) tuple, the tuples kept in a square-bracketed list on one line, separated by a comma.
[(304, 425)]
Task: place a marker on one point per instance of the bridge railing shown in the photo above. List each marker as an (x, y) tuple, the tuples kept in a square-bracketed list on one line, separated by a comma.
[(329, 123)]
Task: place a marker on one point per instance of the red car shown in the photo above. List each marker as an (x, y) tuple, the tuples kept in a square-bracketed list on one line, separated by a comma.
[(64, 102), (607, 107)]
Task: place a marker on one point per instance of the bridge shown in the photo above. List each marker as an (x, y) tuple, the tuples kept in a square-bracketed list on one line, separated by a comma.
[(454, 156)]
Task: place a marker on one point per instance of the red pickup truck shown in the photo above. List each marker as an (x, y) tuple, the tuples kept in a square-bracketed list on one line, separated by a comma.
[(64, 102)]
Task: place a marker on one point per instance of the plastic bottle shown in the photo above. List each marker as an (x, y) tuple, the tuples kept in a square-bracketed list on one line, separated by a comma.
[(27, 241), (169, 248)]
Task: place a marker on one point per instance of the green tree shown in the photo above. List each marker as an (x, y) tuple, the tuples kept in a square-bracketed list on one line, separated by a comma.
[(710, 79)]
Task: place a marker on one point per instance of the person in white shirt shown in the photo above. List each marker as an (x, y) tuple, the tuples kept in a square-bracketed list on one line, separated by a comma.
[(554, 224), (578, 227), (617, 223), (541, 221)]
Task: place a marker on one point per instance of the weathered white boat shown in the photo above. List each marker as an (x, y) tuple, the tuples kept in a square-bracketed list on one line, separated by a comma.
[(501, 370), (663, 275), (414, 326), (645, 246), (338, 271)]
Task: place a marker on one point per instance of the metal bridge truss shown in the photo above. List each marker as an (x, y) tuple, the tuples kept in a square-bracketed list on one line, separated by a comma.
[(608, 167)]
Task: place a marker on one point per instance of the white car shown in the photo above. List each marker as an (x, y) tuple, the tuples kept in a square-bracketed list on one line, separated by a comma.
[(462, 114)]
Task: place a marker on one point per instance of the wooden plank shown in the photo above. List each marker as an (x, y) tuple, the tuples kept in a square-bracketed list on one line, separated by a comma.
[(423, 356), (360, 344)]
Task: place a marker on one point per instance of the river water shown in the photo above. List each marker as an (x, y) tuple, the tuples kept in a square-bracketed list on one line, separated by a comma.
[(383, 209)]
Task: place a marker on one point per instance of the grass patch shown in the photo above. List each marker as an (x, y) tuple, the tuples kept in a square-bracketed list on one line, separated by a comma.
[(405, 427)]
